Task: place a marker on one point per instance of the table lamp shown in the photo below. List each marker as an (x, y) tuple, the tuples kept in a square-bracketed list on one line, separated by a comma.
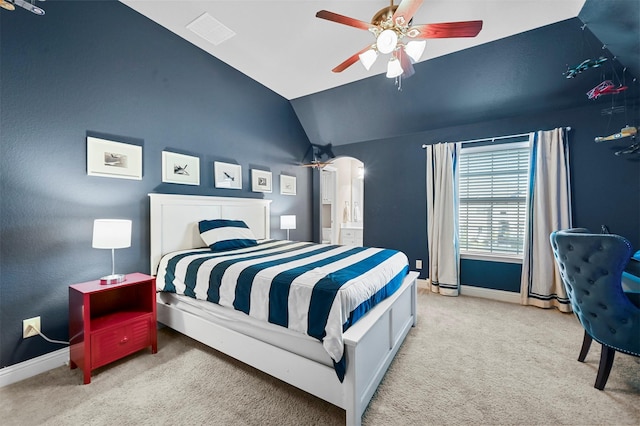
[(288, 221), (111, 234)]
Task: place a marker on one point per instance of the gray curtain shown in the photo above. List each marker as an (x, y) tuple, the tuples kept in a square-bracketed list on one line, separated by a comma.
[(548, 210), (442, 218)]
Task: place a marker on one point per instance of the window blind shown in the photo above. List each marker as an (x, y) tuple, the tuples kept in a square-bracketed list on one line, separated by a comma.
[(493, 184)]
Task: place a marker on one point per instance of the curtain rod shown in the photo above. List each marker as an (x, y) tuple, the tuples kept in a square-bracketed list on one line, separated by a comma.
[(495, 138)]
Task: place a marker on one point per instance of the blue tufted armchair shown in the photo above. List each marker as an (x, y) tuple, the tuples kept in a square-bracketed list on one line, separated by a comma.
[(591, 267)]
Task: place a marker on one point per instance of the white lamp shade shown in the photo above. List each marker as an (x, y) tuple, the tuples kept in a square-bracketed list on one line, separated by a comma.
[(415, 49), (394, 69), (111, 233), (368, 58), (288, 221), (387, 41)]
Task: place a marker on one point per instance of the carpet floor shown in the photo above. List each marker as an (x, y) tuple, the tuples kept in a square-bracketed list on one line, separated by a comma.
[(469, 361)]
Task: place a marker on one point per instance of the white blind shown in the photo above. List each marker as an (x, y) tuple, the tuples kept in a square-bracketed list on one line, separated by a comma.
[(492, 196)]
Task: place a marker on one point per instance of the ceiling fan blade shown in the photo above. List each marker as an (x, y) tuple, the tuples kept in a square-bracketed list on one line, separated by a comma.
[(341, 19), (352, 60), (405, 63), (447, 30), (406, 9)]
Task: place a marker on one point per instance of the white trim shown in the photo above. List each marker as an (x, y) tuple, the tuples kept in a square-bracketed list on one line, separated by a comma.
[(485, 293), (488, 257), (489, 293), (423, 284), (32, 367), (496, 147)]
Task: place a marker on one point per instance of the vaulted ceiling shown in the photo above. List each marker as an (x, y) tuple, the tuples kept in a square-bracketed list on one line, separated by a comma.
[(282, 45), (514, 66)]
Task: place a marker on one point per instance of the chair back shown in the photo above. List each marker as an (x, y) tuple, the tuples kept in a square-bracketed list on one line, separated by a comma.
[(591, 267)]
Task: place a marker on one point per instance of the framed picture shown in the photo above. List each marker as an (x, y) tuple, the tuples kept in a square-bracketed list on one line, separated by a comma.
[(227, 175), (260, 181), (287, 185), (180, 168), (113, 159)]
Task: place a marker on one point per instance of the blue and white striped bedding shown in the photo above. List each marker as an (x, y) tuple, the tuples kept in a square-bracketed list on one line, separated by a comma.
[(314, 289)]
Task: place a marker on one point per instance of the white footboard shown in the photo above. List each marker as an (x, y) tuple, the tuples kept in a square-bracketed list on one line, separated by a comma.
[(370, 346), (372, 343)]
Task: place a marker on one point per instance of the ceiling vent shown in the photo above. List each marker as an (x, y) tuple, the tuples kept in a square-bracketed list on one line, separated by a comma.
[(210, 29)]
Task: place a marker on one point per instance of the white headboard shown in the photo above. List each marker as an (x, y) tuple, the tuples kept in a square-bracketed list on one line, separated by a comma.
[(174, 220)]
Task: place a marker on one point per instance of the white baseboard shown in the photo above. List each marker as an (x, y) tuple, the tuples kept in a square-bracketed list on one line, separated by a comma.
[(24, 370), (489, 293), (486, 293), (422, 283)]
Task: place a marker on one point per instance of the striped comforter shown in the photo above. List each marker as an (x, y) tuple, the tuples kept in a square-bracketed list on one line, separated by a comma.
[(314, 289)]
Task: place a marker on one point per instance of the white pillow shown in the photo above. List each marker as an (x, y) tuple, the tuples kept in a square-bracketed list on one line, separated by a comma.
[(224, 234)]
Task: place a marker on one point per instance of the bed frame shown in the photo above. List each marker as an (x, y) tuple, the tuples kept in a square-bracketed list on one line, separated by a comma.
[(370, 344)]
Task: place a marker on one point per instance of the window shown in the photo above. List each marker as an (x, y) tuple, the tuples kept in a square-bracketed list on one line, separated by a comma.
[(493, 184)]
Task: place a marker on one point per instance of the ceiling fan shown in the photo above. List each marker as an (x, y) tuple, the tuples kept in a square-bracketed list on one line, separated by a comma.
[(391, 25)]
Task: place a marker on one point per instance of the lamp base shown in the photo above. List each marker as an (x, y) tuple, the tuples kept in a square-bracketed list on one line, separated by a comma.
[(112, 279)]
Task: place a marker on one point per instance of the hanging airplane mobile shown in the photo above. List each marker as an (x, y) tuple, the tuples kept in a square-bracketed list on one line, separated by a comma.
[(29, 5), (605, 88), (625, 132), (584, 65)]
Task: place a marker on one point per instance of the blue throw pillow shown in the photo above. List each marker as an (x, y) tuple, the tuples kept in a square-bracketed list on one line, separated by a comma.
[(224, 234)]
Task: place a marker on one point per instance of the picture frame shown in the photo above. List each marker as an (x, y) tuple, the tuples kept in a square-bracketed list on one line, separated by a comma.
[(261, 181), (287, 185), (180, 168), (227, 175), (112, 159)]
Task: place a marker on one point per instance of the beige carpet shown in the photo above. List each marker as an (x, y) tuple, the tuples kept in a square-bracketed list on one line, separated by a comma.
[(469, 361)]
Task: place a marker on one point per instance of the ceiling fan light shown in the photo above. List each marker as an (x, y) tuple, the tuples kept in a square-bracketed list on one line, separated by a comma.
[(387, 41), (415, 49), (368, 58), (394, 69)]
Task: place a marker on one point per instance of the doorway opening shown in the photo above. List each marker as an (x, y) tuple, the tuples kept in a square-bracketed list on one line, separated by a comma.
[(342, 202)]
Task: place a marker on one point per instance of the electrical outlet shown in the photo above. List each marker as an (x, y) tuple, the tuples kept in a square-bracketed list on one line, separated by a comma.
[(419, 264), (34, 323)]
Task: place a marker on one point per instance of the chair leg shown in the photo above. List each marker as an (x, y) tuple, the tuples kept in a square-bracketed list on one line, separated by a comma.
[(586, 344), (606, 361)]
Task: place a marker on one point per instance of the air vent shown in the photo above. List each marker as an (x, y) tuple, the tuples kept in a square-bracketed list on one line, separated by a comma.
[(210, 29)]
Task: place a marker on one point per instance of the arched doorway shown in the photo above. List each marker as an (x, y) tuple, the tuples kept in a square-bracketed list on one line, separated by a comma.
[(342, 201)]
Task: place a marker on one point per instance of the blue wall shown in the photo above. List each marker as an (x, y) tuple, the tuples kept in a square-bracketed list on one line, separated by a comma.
[(509, 86), (605, 187), (100, 68)]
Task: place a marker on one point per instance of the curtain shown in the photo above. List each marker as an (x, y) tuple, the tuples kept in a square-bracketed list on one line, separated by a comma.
[(442, 218), (548, 209)]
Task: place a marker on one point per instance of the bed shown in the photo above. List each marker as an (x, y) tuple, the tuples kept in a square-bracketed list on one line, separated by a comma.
[(369, 345)]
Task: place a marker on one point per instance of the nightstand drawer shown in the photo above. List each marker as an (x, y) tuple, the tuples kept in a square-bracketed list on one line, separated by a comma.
[(115, 342)]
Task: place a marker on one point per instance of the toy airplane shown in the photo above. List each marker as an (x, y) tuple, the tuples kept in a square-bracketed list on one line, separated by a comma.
[(624, 133), (5, 4), (29, 5), (629, 150), (584, 65), (605, 88)]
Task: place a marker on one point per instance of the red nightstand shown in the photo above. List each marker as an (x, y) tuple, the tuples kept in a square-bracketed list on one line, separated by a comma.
[(108, 322)]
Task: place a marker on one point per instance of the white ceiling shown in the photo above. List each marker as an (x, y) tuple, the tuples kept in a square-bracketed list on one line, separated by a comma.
[(282, 45)]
